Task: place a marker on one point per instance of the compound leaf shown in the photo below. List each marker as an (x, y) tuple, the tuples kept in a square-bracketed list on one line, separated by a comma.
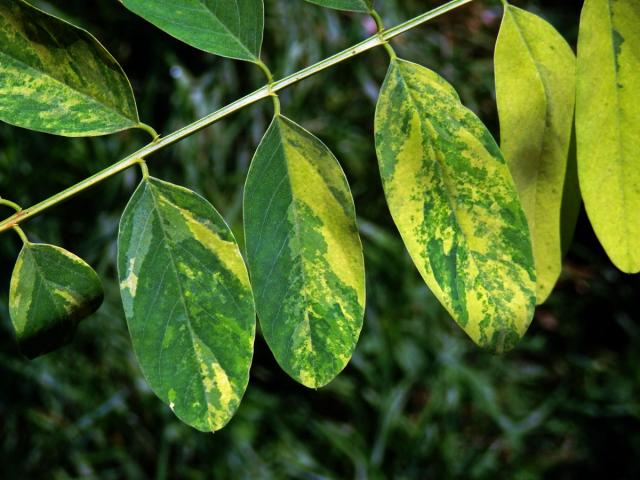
[(188, 302), (608, 125), (535, 90), (456, 206), (351, 5), (51, 291), (230, 28), (304, 254), (57, 78)]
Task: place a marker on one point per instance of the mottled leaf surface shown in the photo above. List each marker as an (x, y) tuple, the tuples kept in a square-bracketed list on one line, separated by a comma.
[(231, 28), (352, 5), (51, 291), (188, 303), (304, 254), (608, 125), (535, 90), (456, 206), (57, 78)]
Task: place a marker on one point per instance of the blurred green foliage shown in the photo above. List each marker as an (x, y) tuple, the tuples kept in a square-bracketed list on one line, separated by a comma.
[(418, 400)]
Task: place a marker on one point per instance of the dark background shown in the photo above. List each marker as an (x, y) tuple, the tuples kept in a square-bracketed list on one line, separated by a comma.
[(418, 400)]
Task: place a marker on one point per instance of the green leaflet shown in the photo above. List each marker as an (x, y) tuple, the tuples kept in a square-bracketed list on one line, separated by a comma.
[(51, 291), (352, 5), (608, 125), (188, 302), (535, 90), (231, 28), (304, 254), (455, 204), (57, 78)]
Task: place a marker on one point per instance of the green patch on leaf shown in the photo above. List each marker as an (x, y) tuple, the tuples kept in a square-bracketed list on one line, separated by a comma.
[(535, 90), (188, 302), (231, 28), (455, 204), (304, 254), (57, 78), (51, 291), (351, 5), (607, 120)]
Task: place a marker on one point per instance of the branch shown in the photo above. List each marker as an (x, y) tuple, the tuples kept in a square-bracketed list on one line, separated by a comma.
[(266, 91)]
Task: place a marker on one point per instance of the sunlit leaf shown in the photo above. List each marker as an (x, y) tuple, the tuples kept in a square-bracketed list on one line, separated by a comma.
[(304, 254), (456, 206), (57, 78), (51, 291), (535, 89), (188, 302), (231, 28), (608, 125)]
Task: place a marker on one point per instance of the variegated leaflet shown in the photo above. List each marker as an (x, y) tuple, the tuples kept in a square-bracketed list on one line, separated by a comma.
[(454, 202), (304, 254), (188, 302)]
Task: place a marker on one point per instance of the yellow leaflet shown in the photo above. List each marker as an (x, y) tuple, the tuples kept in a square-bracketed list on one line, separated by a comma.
[(535, 90), (608, 125)]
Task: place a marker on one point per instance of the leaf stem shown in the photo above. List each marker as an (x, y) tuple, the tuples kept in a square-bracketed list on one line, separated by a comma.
[(10, 204), (380, 25), (17, 208), (149, 130), (266, 70), (21, 234), (143, 168), (274, 96), (266, 91)]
